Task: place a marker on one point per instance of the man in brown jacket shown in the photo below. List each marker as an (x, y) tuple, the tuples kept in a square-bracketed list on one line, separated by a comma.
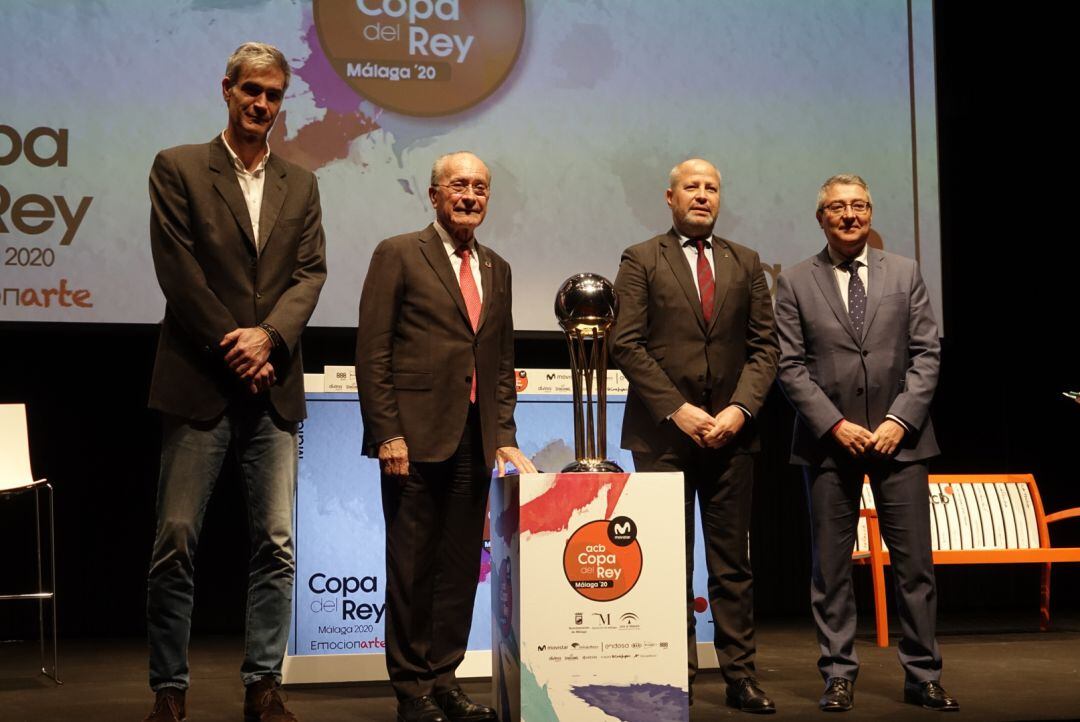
[(237, 241), (435, 371), (695, 338)]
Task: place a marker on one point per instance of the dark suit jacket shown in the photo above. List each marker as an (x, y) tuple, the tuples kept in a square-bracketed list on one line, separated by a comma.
[(829, 373), (214, 282), (670, 356), (416, 350)]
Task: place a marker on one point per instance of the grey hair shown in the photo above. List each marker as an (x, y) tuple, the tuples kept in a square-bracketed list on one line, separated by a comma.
[(256, 56), (674, 174), (841, 179), (439, 166)]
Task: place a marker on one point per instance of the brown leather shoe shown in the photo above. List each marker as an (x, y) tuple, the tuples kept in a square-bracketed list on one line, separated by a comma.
[(263, 703), (169, 706)]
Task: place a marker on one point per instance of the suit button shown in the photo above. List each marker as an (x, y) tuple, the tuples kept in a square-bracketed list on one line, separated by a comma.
[(468, 379), (865, 353), (858, 391), (258, 294)]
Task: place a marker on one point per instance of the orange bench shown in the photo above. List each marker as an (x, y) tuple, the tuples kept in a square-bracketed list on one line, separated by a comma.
[(974, 519)]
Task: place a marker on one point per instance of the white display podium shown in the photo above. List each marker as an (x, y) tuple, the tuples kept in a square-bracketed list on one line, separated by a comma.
[(588, 597)]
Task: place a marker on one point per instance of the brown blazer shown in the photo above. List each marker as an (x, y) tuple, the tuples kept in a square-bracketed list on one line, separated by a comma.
[(415, 350), (214, 281), (668, 353)]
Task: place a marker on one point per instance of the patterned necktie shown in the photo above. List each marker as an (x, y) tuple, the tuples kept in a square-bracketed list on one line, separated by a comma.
[(706, 287), (471, 294), (856, 293)]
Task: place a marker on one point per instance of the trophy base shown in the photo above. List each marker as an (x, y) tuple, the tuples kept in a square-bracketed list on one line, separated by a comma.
[(592, 466)]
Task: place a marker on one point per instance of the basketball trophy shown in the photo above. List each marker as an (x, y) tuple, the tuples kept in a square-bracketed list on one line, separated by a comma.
[(586, 305)]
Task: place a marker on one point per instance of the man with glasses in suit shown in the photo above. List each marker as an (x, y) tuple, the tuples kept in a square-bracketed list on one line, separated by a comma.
[(859, 358)]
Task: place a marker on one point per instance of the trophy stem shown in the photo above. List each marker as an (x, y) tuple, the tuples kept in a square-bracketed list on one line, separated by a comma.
[(600, 356), (590, 427), (575, 378)]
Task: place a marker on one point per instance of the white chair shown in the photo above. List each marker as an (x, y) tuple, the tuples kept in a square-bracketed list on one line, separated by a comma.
[(15, 479)]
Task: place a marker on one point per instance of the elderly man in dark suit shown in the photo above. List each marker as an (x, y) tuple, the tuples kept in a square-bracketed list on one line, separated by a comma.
[(237, 242), (435, 371), (859, 362), (695, 338)]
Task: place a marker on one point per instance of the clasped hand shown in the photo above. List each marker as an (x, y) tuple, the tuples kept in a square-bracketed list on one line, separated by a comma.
[(709, 431), (247, 353), (860, 442)]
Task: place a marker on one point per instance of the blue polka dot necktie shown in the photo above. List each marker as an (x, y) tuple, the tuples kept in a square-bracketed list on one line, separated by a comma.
[(856, 295)]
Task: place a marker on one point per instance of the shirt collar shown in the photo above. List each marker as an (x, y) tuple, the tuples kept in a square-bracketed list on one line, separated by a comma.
[(686, 240), (838, 260), (450, 244), (239, 164)]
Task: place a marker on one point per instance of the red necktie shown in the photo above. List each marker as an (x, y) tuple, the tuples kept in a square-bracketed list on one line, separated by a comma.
[(704, 281), (471, 294)]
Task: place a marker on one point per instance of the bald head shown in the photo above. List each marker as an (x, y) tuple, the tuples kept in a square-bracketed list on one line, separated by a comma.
[(693, 195), (692, 165), (441, 165)]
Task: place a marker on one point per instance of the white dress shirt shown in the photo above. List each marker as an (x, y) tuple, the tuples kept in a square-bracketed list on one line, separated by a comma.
[(251, 183), (691, 254), (842, 277), (455, 259)]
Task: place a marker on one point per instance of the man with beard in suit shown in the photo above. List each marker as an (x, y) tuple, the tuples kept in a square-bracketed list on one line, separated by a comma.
[(694, 336)]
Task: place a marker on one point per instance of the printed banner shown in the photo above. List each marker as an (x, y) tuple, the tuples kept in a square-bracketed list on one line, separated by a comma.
[(590, 597)]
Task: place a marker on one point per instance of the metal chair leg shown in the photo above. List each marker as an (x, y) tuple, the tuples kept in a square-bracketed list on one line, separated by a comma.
[(54, 675)]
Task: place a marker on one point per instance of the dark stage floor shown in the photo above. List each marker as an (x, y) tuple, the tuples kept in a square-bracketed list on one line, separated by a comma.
[(997, 673)]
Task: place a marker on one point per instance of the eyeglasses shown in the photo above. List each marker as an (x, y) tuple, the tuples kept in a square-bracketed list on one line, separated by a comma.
[(859, 208), (459, 188)]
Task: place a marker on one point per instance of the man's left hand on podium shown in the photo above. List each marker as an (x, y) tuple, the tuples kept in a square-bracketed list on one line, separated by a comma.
[(513, 455)]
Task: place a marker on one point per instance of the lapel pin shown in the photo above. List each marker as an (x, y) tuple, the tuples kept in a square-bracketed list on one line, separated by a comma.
[(487, 264)]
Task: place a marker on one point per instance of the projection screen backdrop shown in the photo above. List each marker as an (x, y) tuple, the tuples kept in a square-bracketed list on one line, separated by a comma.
[(579, 108)]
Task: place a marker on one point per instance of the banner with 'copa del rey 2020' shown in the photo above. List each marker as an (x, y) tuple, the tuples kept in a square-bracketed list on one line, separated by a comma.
[(579, 110)]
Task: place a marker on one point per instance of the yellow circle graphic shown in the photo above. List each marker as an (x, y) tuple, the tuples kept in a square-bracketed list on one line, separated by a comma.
[(422, 57)]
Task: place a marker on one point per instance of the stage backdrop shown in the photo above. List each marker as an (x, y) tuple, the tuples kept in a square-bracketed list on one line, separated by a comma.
[(580, 109)]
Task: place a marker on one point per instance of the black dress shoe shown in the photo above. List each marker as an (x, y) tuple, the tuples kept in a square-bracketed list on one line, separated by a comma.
[(839, 695), (459, 708), (931, 695), (420, 709), (746, 696)]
